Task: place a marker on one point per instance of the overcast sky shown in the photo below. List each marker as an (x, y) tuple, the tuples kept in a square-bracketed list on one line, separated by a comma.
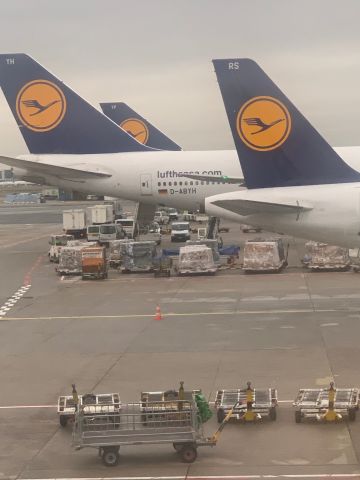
[(156, 55)]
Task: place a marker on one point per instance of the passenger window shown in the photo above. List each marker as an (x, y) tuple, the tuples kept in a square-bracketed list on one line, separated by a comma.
[(180, 183), (164, 184), (191, 183), (186, 183), (196, 183), (170, 184), (159, 184), (175, 184)]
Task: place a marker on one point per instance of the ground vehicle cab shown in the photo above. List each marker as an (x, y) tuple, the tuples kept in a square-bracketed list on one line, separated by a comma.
[(180, 231), (57, 242)]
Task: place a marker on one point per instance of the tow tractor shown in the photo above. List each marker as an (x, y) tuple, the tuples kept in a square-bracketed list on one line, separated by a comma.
[(105, 403), (170, 423), (263, 404), (326, 404)]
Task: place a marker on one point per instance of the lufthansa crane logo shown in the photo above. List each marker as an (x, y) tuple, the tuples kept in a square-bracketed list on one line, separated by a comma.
[(40, 105), (263, 123), (136, 128)]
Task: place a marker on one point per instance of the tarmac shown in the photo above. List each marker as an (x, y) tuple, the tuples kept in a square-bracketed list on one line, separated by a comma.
[(291, 330)]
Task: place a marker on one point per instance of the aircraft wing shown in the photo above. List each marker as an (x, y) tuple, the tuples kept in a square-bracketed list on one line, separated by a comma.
[(255, 207), (38, 168), (213, 178)]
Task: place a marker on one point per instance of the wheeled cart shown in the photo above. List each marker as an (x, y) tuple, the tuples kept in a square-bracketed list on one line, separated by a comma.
[(176, 424), (264, 403), (108, 403), (314, 403)]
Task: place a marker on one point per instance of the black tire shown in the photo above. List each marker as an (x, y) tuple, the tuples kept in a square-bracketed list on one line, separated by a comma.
[(188, 453), (298, 416), (220, 415), (110, 456), (178, 446), (352, 415), (272, 414), (63, 420)]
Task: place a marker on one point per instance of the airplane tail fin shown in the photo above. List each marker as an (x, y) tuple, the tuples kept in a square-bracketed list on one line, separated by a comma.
[(276, 145), (53, 118), (137, 126)]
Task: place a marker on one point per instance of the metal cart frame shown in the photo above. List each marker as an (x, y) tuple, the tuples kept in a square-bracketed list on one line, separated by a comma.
[(314, 403), (264, 404), (174, 423), (90, 404)]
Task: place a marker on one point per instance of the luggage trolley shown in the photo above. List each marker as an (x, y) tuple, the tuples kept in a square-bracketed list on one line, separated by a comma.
[(314, 403), (90, 404), (264, 403), (179, 427)]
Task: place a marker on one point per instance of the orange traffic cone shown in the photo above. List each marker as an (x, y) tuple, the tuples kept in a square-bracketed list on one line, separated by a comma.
[(158, 315)]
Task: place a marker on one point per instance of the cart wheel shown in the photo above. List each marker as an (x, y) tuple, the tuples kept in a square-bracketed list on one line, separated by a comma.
[(352, 415), (272, 414), (188, 453), (178, 446), (298, 416), (110, 457), (220, 415), (63, 420)]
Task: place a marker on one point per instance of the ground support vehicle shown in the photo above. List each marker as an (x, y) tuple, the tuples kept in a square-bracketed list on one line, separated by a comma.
[(180, 231), (161, 217), (264, 255), (250, 228), (264, 403), (90, 404), (57, 242), (74, 222), (314, 403), (162, 267), (100, 214), (94, 265), (128, 225), (179, 427), (109, 232)]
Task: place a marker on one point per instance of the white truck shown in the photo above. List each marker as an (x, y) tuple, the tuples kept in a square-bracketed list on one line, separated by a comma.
[(180, 231), (128, 225), (100, 214), (74, 222), (161, 217)]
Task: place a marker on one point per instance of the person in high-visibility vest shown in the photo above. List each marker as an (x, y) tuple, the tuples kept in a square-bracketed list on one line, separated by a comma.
[(249, 396)]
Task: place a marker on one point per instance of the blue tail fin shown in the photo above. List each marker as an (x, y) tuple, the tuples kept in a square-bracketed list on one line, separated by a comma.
[(53, 118), (137, 126), (276, 145)]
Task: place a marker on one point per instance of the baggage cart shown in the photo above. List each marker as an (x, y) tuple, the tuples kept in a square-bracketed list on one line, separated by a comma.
[(167, 425), (162, 267), (264, 403), (314, 403), (90, 403)]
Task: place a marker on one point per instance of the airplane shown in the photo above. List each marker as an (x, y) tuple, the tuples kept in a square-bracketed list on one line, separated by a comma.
[(296, 182), (74, 146), (137, 126)]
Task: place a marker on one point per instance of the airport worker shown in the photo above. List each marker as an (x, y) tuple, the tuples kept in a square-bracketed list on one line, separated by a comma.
[(181, 395)]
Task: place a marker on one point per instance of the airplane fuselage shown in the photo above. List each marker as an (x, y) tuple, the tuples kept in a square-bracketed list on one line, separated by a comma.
[(159, 178)]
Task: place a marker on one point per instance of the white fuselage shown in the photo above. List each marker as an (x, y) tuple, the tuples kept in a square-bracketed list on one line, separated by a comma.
[(159, 178)]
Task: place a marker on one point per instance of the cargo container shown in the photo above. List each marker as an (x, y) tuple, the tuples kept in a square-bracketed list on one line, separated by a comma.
[(264, 255), (211, 243), (196, 259), (74, 222), (70, 260), (321, 256), (137, 256)]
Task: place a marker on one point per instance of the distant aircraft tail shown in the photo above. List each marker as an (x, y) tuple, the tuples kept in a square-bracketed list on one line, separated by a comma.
[(276, 145), (137, 126), (53, 118)]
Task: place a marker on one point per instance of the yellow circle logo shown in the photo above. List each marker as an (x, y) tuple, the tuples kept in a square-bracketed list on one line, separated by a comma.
[(40, 105), (136, 128), (263, 123)]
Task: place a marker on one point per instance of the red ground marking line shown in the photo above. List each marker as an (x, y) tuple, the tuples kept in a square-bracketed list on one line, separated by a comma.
[(28, 274)]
